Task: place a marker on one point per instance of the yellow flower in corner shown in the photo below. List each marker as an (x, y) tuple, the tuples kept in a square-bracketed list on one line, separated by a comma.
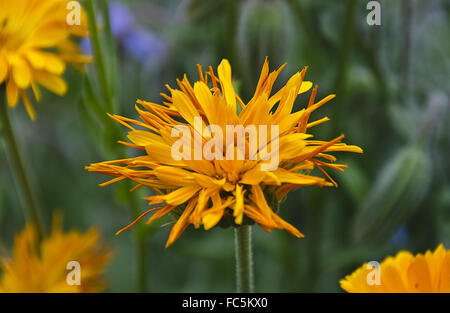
[(35, 45), (46, 271), (237, 185), (429, 272)]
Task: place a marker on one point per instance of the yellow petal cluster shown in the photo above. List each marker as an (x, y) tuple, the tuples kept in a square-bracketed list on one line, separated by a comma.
[(207, 191), (42, 267), (429, 272), (35, 45)]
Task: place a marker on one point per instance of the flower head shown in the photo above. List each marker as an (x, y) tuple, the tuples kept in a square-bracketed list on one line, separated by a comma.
[(233, 186), (35, 45), (46, 270), (429, 272)]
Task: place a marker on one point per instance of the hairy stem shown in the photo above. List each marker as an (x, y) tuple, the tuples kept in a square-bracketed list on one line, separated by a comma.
[(244, 262)]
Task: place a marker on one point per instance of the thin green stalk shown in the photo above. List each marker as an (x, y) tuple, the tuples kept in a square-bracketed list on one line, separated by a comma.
[(111, 46), (244, 262), (98, 55), (31, 209), (107, 83), (141, 254), (141, 260)]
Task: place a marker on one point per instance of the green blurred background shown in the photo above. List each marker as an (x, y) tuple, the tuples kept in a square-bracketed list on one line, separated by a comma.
[(392, 100)]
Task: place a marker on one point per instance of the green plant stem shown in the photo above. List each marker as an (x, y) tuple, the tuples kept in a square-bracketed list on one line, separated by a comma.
[(107, 84), (98, 55), (244, 262), (141, 254), (31, 211), (141, 260), (111, 46)]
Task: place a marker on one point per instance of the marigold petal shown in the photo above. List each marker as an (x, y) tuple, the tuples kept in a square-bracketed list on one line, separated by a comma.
[(224, 72), (181, 224), (238, 212), (52, 82), (181, 195), (3, 68), (12, 93), (21, 72), (419, 278)]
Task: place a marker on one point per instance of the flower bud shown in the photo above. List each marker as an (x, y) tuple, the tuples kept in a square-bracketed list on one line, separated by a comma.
[(398, 191)]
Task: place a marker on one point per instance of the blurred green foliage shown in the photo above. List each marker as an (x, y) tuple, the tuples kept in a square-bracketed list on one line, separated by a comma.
[(392, 100)]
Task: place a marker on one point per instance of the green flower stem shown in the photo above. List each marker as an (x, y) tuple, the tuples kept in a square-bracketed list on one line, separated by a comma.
[(107, 86), (111, 46), (140, 233), (98, 55), (141, 260), (20, 174), (244, 262)]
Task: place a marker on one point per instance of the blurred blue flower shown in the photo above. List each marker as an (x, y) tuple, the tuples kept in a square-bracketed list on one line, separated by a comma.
[(122, 20), (142, 45), (400, 237)]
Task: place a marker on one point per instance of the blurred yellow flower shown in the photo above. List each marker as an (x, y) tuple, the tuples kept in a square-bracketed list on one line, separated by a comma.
[(46, 270), (204, 191), (35, 45), (404, 273)]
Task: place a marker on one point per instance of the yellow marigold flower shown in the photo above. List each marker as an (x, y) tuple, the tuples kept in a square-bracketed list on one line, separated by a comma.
[(30, 271), (207, 192), (429, 272), (35, 44)]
